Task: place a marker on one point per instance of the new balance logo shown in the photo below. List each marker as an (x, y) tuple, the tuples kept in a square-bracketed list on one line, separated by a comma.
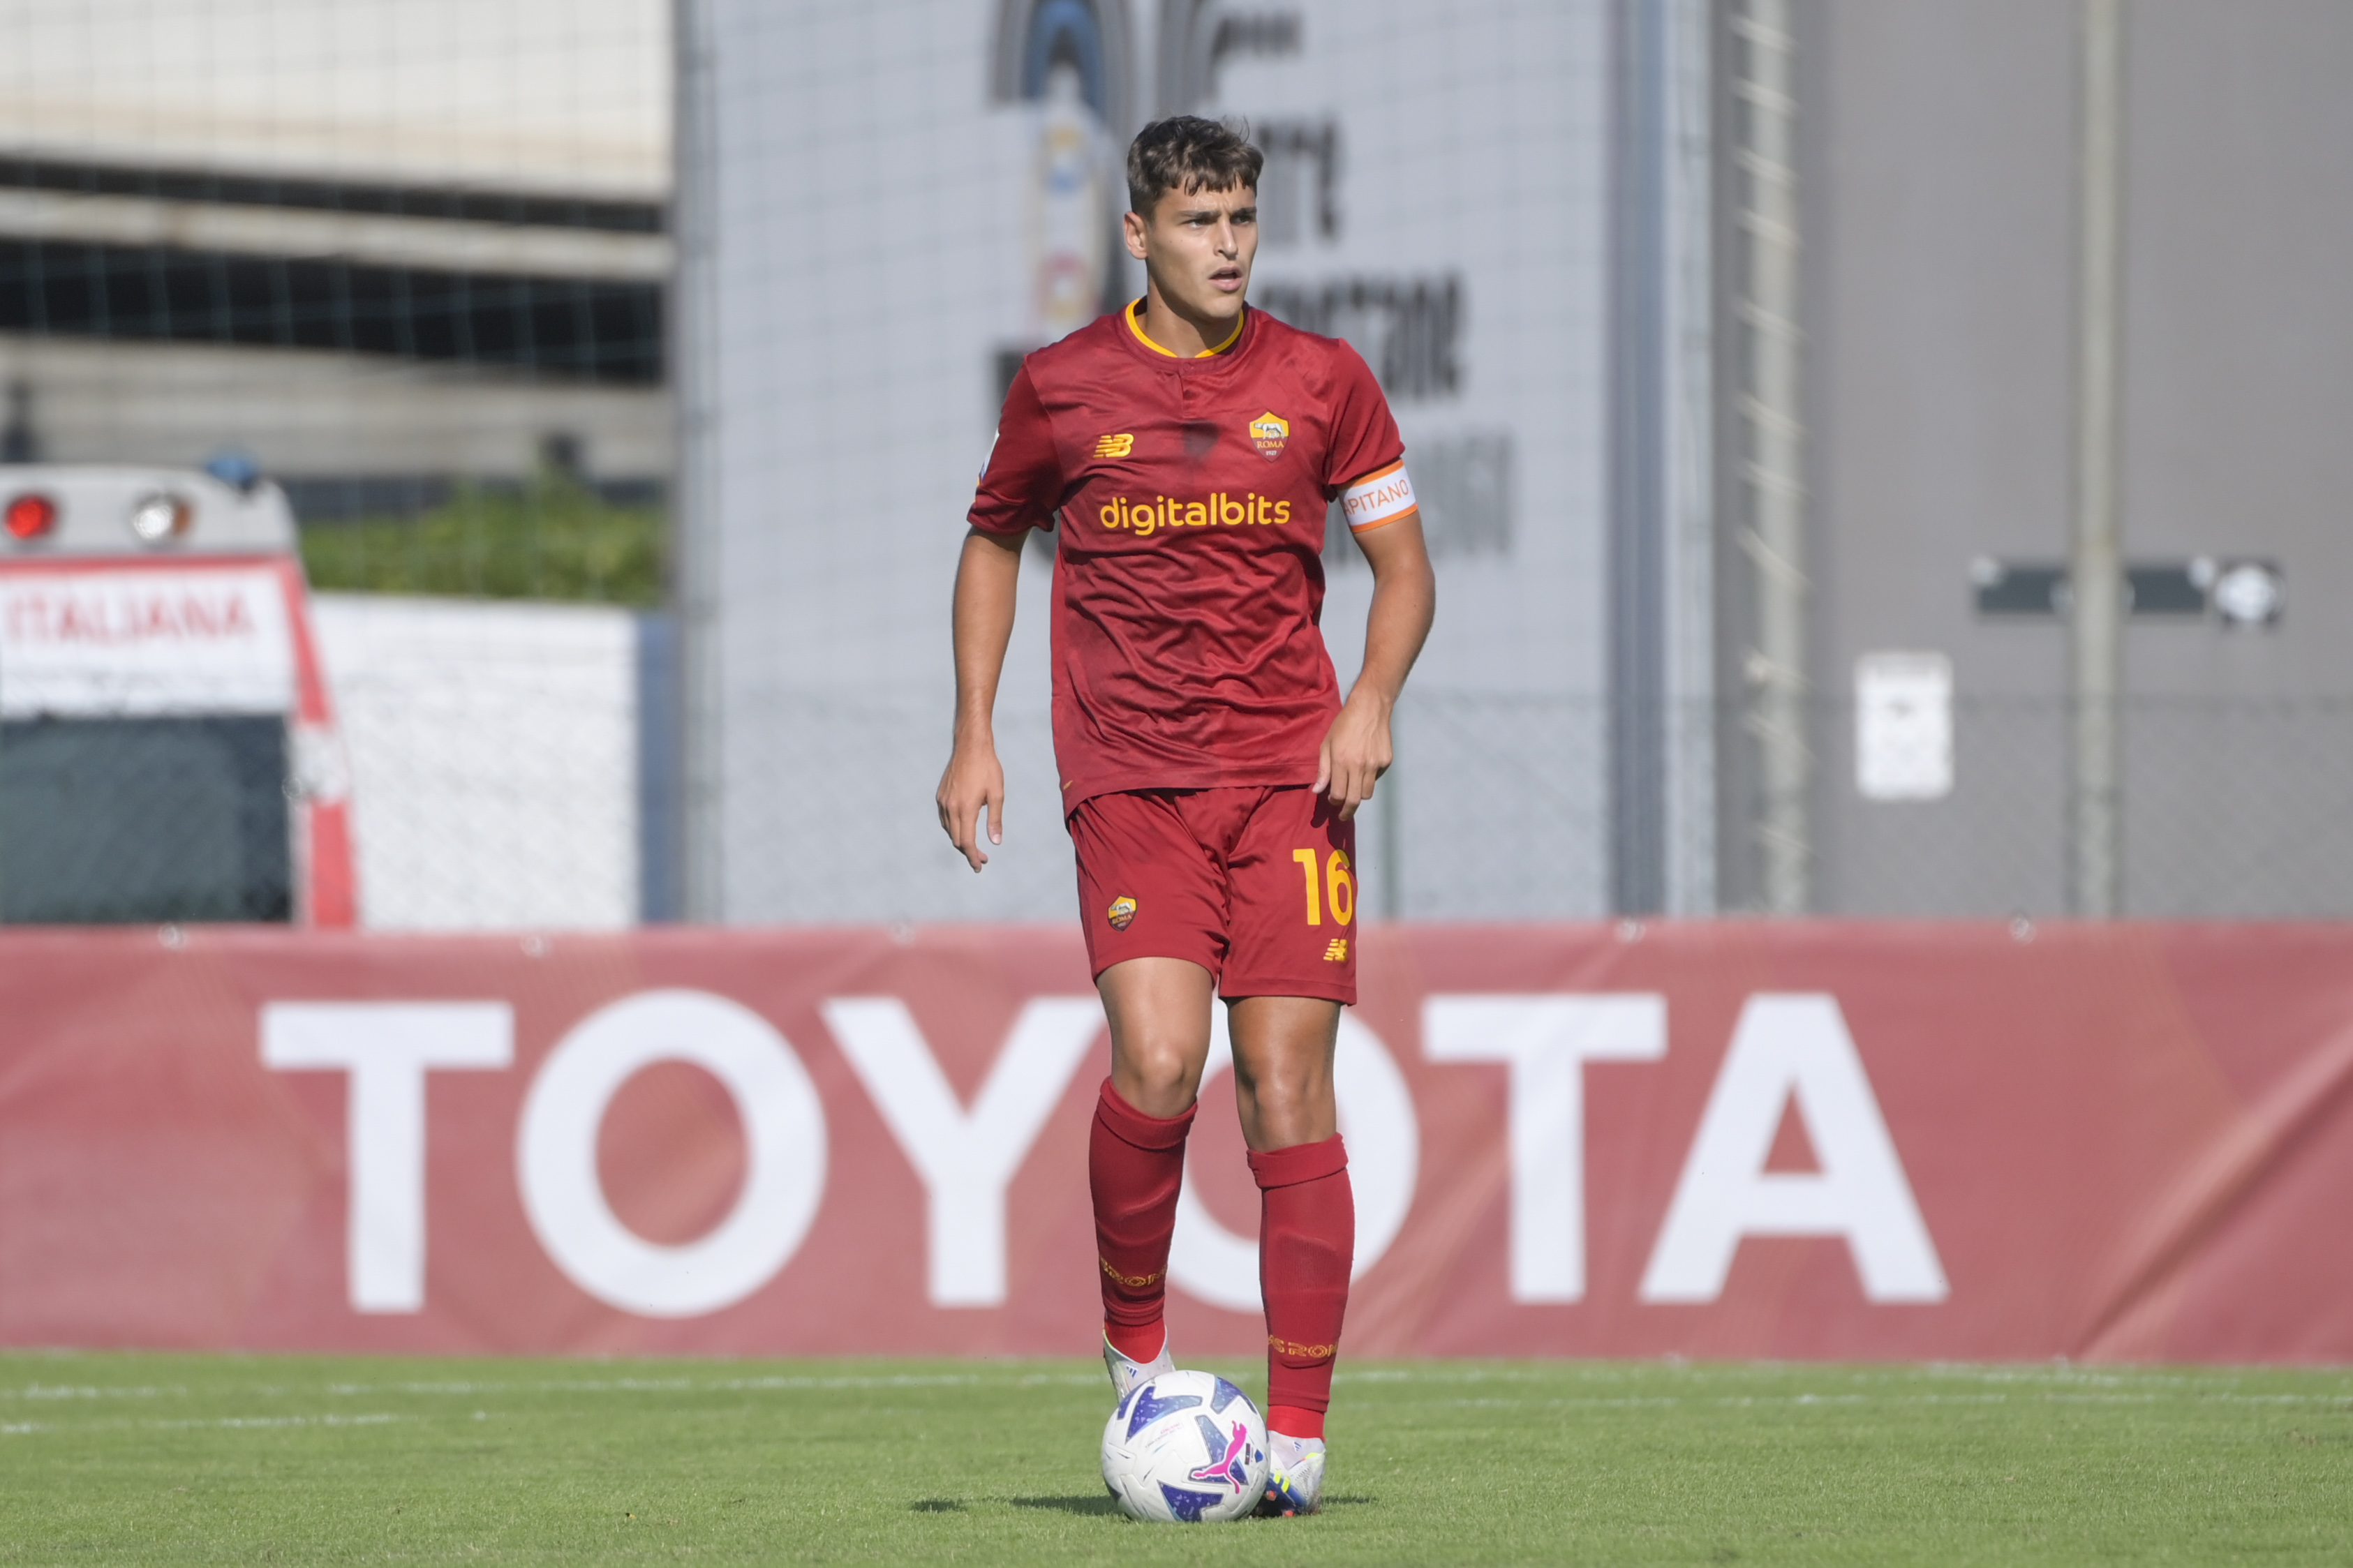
[(1114, 446), (1338, 951)]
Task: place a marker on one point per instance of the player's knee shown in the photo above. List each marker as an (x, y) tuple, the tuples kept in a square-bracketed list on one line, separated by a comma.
[(1156, 1077), (1293, 1107)]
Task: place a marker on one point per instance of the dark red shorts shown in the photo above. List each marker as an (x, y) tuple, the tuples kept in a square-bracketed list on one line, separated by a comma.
[(1257, 886)]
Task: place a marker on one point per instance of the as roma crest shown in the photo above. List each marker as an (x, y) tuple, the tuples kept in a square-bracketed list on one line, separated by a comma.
[(1268, 433)]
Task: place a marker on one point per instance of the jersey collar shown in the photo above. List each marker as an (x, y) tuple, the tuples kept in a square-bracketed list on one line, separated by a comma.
[(1136, 325)]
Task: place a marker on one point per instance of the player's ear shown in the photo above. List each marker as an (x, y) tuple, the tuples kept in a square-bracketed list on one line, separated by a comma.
[(1132, 229)]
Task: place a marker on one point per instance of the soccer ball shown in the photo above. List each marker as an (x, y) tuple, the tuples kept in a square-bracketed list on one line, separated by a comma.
[(1185, 1448)]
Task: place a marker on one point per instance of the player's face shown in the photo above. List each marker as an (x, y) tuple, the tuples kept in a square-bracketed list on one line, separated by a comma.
[(1198, 246)]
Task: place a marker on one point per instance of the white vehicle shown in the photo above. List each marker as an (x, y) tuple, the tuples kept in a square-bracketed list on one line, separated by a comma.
[(168, 749)]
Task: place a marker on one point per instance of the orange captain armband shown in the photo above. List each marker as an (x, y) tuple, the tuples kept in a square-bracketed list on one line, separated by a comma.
[(1381, 497)]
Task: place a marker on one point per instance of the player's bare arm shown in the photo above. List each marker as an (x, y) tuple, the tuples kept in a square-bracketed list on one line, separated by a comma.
[(988, 578), (1356, 750)]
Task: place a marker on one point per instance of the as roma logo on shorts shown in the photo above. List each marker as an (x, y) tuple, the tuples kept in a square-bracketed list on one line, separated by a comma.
[(1122, 911), (1268, 433)]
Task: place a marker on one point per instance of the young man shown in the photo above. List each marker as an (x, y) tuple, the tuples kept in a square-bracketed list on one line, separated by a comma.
[(1211, 772)]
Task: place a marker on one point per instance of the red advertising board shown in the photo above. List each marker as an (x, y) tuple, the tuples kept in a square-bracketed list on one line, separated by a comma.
[(1736, 1138)]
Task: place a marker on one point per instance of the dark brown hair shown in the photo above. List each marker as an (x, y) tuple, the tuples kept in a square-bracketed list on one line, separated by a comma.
[(1186, 153)]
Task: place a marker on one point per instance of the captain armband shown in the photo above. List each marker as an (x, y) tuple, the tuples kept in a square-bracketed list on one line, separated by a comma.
[(1380, 497)]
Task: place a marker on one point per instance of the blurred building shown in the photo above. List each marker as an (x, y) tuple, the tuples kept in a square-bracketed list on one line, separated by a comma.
[(1941, 194), (385, 249), (380, 245)]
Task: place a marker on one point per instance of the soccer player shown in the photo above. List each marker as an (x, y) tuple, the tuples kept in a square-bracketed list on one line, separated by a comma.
[(1211, 771)]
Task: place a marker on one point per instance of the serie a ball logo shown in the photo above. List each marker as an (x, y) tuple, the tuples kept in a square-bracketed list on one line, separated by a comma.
[(1122, 911)]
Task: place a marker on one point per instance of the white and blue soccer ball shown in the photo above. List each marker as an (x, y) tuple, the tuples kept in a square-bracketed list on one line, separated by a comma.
[(1186, 1447)]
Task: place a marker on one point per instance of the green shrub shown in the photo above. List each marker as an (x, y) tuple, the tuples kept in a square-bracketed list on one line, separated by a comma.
[(552, 539)]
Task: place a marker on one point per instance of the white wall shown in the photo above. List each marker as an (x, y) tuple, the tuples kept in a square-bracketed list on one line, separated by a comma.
[(494, 763)]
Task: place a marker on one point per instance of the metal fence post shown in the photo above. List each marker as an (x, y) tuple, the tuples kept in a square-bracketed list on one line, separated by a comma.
[(695, 493), (2095, 571), (1773, 463), (1638, 499)]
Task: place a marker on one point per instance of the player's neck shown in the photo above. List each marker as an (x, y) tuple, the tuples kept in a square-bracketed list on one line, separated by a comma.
[(1179, 332)]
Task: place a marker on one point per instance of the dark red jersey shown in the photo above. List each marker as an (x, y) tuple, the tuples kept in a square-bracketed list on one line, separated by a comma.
[(1189, 577)]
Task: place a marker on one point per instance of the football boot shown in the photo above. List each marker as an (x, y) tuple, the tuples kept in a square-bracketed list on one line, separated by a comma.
[(1126, 1375), (1294, 1476)]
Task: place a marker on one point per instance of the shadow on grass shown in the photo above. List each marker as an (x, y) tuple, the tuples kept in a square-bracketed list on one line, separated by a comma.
[(1103, 1506), (937, 1505)]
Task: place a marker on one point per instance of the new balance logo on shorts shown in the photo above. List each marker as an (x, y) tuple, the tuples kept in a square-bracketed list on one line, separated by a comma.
[(1338, 951)]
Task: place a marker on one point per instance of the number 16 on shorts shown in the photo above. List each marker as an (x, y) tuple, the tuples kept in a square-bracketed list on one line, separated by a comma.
[(1331, 886)]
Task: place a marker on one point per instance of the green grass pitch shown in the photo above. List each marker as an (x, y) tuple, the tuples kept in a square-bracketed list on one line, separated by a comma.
[(184, 1458)]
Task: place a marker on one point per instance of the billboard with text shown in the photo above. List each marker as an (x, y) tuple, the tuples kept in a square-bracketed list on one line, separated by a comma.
[(1721, 1140)]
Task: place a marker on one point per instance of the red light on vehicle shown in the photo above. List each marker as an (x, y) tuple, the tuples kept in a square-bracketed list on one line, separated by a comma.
[(31, 516)]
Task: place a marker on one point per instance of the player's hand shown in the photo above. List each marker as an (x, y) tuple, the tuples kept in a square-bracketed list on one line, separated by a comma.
[(1355, 753), (973, 782)]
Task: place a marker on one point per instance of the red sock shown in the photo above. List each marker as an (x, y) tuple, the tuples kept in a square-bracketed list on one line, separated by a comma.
[(1135, 1165), (1293, 1422), (1306, 1240)]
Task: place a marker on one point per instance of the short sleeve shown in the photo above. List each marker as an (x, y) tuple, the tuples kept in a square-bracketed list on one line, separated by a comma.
[(1021, 484), (1364, 435)]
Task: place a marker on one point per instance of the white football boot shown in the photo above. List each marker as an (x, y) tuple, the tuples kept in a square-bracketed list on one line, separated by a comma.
[(1295, 1476), (1126, 1374)]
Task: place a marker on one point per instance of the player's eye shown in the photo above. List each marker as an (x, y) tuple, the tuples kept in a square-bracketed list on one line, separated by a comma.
[(1247, 214)]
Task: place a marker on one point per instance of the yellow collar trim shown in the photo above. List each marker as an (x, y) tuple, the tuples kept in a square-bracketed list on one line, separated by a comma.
[(1136, 325)]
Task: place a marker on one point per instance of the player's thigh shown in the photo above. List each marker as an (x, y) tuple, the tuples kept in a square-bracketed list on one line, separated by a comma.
[(1146, 886), (1292, 879), (1158, 1009)]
